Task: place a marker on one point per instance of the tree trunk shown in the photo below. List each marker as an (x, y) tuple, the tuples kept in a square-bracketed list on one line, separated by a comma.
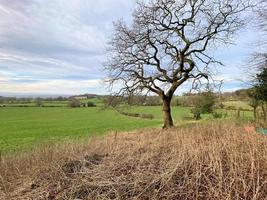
[(264, 111), (168, 123), (255, 113)]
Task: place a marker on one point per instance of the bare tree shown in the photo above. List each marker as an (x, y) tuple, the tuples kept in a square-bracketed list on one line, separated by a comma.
[(258, 76), (169, 43), (262, 16), (259, 58), (261, 22)]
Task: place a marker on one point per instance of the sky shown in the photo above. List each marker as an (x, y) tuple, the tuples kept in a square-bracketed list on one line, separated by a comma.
[(57, 47)]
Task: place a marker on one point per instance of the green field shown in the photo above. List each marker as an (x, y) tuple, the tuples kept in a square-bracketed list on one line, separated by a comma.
[(25, 127), (50, 103), (238, 104)]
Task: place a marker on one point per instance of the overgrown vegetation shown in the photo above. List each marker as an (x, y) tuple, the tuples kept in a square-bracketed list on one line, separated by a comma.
[(212, 161)]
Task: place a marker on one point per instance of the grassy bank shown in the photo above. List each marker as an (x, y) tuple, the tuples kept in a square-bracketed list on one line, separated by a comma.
[(212, 161)]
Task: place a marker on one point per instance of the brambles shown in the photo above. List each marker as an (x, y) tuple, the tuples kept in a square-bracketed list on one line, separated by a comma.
[(212, 161)]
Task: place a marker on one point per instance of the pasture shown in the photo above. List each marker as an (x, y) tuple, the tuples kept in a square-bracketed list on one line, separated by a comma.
[(27, 127)]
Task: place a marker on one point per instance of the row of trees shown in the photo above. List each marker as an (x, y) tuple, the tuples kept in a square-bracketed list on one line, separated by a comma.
[(16, 100)]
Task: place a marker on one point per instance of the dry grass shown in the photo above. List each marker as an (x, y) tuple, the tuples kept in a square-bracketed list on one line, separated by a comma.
[(214, 161)]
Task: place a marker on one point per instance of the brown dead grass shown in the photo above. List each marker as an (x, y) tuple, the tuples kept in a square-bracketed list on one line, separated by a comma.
[(212, 161)]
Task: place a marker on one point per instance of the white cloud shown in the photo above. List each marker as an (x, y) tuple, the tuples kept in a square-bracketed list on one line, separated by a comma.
[(54, 46), (51, 86)]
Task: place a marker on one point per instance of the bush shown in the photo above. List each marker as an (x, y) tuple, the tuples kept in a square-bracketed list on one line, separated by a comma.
[(147, 116), (203, 104), (112, 101), (133, 114), (221, 105), (207, 102), (91, 104), (74, 103), (144, 116), (217, 115), (39, 102), (196, 112)]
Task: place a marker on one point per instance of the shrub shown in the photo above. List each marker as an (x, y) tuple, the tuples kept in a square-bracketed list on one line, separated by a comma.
[(133, 114), (74, 103), (207, 102), (39, 102), (112, 101), (147, 116), (204, 104), (144, 116), (196, 112), (91, 104), (220, 105), (217, 115)]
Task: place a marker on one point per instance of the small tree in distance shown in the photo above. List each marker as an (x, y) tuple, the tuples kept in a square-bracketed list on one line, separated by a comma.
[(205, 104), (74, 103), (169, 43), (261, 89), (39, 102)]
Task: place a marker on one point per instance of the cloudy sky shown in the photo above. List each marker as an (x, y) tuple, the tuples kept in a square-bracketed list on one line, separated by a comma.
[(58, 46)]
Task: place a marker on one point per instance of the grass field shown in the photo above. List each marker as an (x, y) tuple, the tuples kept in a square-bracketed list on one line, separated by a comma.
[(22, 128), (50, 103), (25, 127), (238, 104)]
